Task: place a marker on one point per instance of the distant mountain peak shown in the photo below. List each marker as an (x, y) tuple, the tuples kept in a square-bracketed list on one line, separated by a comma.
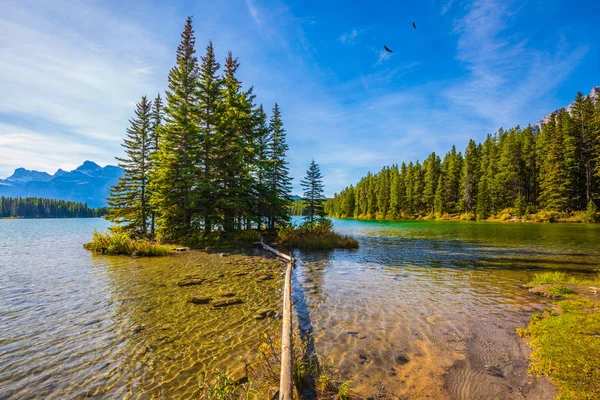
[(88, 183), (26, 175), (594, 94), (88, 165)]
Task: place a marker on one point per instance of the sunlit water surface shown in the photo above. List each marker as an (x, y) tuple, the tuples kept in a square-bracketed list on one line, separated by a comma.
[(430, 309), (420, 309), (75, 325)]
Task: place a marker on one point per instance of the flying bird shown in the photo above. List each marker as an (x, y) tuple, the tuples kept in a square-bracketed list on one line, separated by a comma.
[(387, 49), (414, 26)]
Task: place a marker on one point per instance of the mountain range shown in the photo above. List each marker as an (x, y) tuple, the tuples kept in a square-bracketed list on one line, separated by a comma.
[(89, 183), (594, 94)]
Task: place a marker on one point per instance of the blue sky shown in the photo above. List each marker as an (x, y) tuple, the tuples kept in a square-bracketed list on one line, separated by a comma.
[(71, 72)]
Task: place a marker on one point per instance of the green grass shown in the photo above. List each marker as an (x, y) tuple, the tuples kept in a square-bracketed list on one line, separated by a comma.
[(122, 243), (344, 391), (560, 291), (544, 278), (319, 235), (566, 339)]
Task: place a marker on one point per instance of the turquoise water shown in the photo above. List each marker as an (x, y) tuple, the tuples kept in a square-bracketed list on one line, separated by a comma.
[(420, 309)]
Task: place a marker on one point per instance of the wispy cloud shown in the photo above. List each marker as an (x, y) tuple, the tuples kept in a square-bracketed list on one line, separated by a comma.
[(254, 13), (383, 57), (506, 64), (446, 7), (349, 38), (63, 76)]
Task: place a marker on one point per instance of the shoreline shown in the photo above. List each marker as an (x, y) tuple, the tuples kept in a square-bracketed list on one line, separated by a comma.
[(460, 219)]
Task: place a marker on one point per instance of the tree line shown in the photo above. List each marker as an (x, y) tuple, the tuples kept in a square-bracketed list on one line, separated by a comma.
[(524, 170), (35, 207), (209, 159)]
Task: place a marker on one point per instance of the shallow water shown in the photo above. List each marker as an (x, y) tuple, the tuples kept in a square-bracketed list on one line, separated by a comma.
[(74, 325), (420, 309), (429, 309)]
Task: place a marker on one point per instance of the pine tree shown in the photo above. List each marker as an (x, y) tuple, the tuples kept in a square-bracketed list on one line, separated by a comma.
[(583, 115), (483, 198), (438, 202), (231, 146), (552, 180), (431, 171), (261, 164), (176, 170), (280, 182), (157, 118), (210, 105), (128, 199), (313, 193)]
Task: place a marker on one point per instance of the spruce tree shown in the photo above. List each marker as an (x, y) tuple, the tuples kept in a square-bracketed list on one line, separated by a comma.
[(210, 112), (176, 170), (231, 146), (279, 179), (553, 192), (583, 115), (157, 118), (261, 165), (313, 193), (438, 202), (128, 201)]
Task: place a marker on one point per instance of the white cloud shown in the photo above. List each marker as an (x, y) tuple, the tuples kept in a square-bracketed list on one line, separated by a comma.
[(42, 152), (349, 38)]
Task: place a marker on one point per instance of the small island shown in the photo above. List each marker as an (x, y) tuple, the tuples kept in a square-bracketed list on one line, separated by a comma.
[(208, 175)]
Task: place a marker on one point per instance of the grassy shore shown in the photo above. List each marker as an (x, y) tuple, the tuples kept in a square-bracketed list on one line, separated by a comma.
[(506, 215), (566, 337)]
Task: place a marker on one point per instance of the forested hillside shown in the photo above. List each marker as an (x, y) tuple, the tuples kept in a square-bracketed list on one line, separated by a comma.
[(33, 207), (516, 171)]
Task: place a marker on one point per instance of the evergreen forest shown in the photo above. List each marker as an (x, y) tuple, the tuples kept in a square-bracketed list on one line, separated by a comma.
[(513, 172), (34, 207)]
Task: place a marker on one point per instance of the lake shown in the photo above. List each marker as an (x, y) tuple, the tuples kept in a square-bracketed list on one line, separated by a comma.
[(420, 309)]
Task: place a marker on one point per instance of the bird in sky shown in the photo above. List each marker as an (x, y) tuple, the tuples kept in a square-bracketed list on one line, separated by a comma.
[(387, 49), (414, 26)]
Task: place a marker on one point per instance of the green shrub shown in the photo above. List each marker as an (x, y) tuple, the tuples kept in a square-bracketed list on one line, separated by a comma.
[(591, 213), (221, 387), (120, 242), (316, 235), (546, 216)]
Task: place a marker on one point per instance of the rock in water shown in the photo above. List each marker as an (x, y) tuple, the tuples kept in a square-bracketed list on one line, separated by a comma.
[(263, 311), (190, 282), (182, 249), (223, 254), (200, 299), (225, 302)]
